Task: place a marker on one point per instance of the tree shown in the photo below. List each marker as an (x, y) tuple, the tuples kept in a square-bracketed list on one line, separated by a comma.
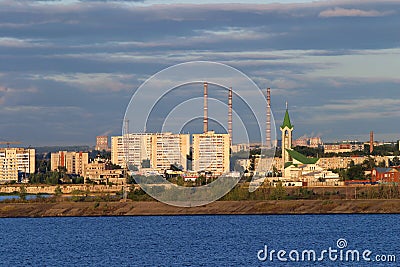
[(395, 161), (22, 193), (58, 191), (355, 172), (369, 164), (279, 192)]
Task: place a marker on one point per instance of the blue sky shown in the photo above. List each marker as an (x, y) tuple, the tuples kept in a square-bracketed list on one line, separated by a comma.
[(69, 68)]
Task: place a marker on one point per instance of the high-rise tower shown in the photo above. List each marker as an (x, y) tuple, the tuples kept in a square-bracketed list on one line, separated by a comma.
[(286, 129)]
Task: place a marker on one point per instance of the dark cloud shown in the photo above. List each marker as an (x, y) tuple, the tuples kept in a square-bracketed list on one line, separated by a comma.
[(48, 53)]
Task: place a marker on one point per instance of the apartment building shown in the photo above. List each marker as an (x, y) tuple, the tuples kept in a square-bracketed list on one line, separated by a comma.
[(168, 149), (211, 152), (151, 150), (136, 145), (15, 163), (73, 162), (102, 143)]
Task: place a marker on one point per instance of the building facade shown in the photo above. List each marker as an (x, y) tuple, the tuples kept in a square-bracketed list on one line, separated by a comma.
[(136, 146), (340, 162), (211, 153), (169, 149), (16, 163), (99, 172), (73, 162), (155, 151), (386, 175), (344, 147), (102, 143)]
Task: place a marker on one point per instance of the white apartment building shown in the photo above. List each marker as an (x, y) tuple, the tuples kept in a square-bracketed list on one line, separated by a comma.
[(211, 152), (136, 146), (167, 149), (15, 162), (159, 150)]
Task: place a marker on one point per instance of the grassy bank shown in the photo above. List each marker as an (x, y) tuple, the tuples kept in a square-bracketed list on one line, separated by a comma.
[(62, 209)]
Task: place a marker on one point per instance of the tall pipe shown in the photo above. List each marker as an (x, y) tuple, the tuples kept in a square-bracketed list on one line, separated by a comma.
[(230, 115), (268, 131), (205, 119), (371, 142)]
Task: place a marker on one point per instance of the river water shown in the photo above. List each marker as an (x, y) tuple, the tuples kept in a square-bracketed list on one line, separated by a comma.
[(199, 240)]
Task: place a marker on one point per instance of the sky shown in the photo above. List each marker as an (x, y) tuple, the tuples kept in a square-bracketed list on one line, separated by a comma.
[(68, 69)]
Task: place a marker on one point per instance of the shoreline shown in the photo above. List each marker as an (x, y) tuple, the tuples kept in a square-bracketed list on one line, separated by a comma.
[(153, 208)]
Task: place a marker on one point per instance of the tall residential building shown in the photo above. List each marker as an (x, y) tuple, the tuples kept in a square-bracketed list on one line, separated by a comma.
[(73, 162), (136, 145), (167, 149), (15, 162), (151, 150), (102, 143), (211, 152)]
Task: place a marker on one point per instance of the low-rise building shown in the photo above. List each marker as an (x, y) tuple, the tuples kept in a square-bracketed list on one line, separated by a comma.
[(100, 172), (346, 147), (386, 175), (333, 163), (240, 147)]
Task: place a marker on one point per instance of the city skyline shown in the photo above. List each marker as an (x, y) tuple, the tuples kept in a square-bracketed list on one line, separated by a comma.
[(69, 68)]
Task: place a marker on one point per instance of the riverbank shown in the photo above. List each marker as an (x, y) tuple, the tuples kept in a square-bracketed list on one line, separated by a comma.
[(65, 209)]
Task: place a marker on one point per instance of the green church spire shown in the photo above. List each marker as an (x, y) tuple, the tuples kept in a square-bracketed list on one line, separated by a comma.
[(286, 120)]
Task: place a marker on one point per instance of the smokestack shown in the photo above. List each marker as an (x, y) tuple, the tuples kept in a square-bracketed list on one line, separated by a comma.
[(205, 119), (230, 115), (371, 142), (268, 133)]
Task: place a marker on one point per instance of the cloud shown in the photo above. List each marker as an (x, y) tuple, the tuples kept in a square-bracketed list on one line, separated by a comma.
[(343, 12), (83, 53), (93, 82), (20, 43)]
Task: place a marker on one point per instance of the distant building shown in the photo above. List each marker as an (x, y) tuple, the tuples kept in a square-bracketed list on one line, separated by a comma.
[(300, 142), (240, 147), (340, 162), (15, 163), (386, 175), (211, 153), (344, 147), (102, 143), (73, 162), (315, 142)]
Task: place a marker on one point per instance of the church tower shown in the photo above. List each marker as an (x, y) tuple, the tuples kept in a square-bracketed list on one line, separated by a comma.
[(286, 129)]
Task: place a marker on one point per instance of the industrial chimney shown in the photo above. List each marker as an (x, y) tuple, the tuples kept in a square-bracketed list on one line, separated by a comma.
[(230, 115), (371, 142), (268, 131), (205, 119)]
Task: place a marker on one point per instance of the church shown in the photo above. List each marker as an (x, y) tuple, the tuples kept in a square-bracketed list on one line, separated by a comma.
[(297, 167)]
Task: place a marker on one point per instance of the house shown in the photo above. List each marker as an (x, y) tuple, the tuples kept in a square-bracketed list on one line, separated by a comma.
[(386, 175)]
